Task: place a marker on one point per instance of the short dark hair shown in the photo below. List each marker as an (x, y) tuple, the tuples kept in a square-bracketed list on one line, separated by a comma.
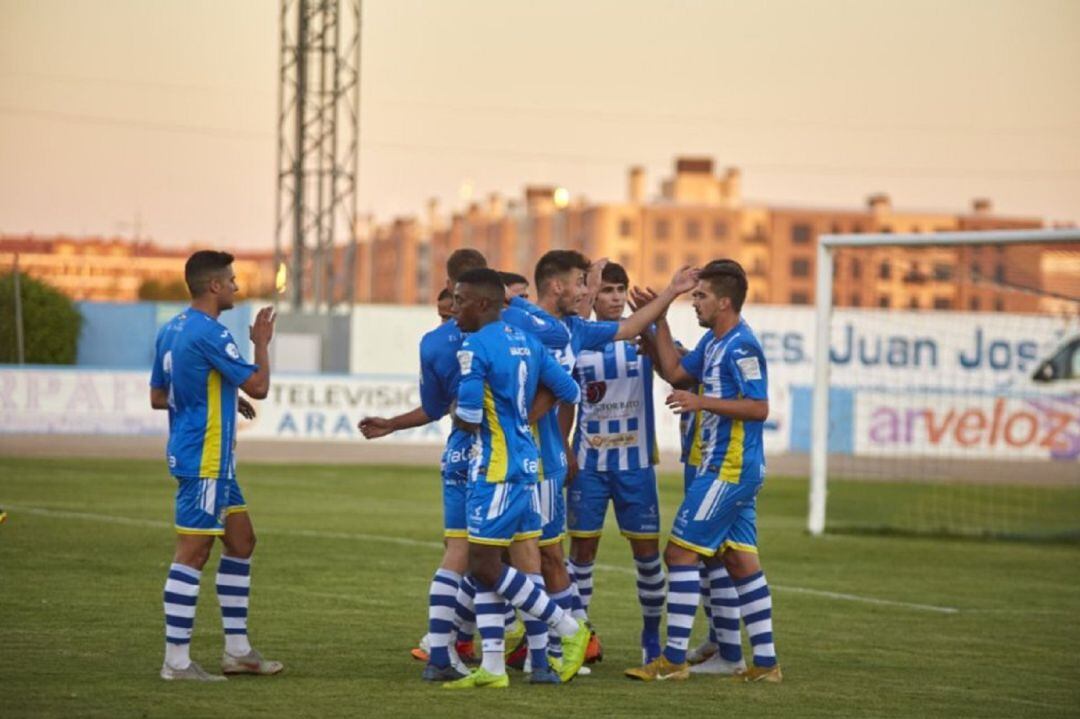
[(444, 295), (461, 261), (557, 262), (201, 267), (485, 280), (513, 278), (614, 273), (727, 279)]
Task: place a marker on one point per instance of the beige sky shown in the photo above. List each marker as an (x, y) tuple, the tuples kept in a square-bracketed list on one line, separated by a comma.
[(165, 110)]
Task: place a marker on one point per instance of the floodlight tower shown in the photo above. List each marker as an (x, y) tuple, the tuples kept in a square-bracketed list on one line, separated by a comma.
[(317, 152)]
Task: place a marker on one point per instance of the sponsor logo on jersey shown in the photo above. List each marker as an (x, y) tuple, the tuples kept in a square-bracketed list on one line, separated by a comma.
[(595, 391), (750, 367), (232, 351), (464, 358)]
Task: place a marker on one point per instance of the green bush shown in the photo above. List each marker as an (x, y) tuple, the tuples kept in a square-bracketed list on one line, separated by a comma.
[(50, 322)]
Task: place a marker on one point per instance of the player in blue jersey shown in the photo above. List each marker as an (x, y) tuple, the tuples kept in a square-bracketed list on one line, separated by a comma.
[(501, 368), (197, 371), (561, 291), (716, 521), (439, 375), (615, 447)]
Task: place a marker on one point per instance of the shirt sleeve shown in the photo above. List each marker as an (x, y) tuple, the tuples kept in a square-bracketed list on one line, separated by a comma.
[(224, 355), (433, 397), (529, 318), (159, 378), (746, 363), (558, 380), (694, 363), (474, 364), (595, 335)]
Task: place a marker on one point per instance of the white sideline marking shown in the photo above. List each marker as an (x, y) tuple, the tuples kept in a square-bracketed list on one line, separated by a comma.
[(405, 541), (821, 593)]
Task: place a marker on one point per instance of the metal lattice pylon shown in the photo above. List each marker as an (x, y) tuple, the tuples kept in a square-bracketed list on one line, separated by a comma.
[(317, 155)]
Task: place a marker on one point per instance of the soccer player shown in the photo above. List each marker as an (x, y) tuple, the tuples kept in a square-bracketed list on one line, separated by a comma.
[(444, 305), (561, 291), (197, 371), (615, 446), (716, 521), (439, 376), (516, 285), (501, 368), (707, 657)]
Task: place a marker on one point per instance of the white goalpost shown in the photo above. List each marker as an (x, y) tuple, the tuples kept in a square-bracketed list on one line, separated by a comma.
[(927, 414)]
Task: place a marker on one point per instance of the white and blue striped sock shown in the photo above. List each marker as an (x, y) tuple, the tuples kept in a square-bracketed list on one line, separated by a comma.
[(684, 593), (577, 606), (565, 601), (581, 574), (755, 606), (465, 611), (725, 614), (519, 590), (442, 605), (650, 593), (536, 633), (181, 594), (233, 584), (491, 623), (706, 604)]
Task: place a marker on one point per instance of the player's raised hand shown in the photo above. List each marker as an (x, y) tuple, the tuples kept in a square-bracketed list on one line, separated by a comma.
[(640, 297), (375, 427), (685, 279), (593, 277), (680, 401), (263, 330), (245, 408)]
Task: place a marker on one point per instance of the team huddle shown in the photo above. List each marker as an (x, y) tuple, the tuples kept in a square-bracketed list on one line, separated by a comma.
[(552, 419)]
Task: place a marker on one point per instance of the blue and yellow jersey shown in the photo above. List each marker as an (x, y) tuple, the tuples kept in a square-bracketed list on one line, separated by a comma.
[(439, 377), (690, 434), (198, 362), (556, 336), (501, 368), (730, 367), (440, 374)]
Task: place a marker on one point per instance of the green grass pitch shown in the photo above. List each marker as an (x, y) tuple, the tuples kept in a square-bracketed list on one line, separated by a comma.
[(340, 578)]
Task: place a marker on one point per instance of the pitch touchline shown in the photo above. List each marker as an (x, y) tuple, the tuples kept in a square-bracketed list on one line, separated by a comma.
[(405, 541)]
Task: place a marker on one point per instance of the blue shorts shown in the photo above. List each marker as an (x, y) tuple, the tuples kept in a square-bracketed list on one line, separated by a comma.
[(689, 472), (500, 513), (716, 515), (455, 492), (552, 510), (633, 492), (203, 504)]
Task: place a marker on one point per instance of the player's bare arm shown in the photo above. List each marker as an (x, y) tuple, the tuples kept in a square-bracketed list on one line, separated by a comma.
[(683, 281), (751, 410), (159, 398), (566, 424), (542, 404), (245, 408), (375, 427), (257, 386)]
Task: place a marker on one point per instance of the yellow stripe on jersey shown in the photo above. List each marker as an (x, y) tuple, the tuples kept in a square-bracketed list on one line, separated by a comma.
[(497, 463), (731, 468), (539, 452), (694, 458), (210, 466)]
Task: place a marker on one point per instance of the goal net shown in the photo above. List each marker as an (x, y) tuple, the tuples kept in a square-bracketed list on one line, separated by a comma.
[(946, 396)]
